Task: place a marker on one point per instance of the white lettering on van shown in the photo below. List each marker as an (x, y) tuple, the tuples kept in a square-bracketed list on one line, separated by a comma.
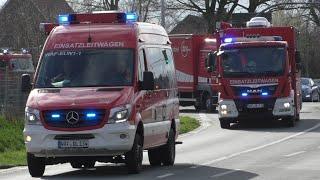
[(111, 44), (253, 81)]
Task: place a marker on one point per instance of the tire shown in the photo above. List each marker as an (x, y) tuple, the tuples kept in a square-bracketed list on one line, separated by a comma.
[(135, 156), (169, 150), (76, 165), (225, 125), (36, 165), (290, 121), (89, 164), (154, 156)]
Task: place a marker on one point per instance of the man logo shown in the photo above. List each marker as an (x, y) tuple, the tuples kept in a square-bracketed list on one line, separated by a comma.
[(72, 117), (254, 91)]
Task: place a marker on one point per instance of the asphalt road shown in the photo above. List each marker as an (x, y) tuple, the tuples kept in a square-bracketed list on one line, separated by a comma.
[(247, 151)]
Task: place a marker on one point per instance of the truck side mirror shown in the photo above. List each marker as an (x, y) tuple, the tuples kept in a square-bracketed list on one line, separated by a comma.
[(211, 61), (298, 57), (3, 64), (26, 83), (148, 81)]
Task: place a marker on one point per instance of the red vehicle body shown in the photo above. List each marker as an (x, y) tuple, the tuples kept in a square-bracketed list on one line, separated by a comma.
[(258, 69), (16, 61), (197, 86), (94, 114)]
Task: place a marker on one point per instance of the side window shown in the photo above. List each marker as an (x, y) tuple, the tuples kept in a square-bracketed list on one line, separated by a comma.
[(156, 65), (170, 69), (141, 65)]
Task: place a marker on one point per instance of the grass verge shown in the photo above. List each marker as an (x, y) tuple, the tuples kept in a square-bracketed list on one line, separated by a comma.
[(12, 150), (188, 124)]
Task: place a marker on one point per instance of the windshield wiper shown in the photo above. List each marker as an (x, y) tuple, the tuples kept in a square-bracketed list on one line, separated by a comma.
[(269, 72), (239, 73)]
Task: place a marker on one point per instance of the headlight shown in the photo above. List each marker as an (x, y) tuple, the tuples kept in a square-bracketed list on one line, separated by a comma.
[(119, 114), (287, 105), (32, 116)]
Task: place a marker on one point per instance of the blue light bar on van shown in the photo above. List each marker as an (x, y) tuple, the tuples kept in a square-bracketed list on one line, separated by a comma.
[(228, 40), (244, 94), (66, 19), (265, 94), (132, 17)]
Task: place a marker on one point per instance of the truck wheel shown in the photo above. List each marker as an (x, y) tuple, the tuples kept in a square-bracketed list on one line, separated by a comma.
[(154, 156), (36, 165), (225, 125), (135, 156), (169, 150), (290, 121)]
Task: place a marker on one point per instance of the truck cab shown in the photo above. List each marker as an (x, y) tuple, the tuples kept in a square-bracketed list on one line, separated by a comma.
[(259, 74), (104, 91)]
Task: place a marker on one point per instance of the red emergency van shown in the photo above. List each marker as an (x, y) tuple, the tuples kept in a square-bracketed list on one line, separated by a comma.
[(104, 90)]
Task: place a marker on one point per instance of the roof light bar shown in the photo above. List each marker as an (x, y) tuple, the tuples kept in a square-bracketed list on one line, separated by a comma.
[(132, 17)]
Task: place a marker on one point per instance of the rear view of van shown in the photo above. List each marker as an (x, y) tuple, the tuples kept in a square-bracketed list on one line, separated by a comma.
[(105, 90)]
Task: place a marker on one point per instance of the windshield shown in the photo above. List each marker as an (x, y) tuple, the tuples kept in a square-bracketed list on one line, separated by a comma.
[(305, 81), (86, 68), (22, 65), (253, 61)]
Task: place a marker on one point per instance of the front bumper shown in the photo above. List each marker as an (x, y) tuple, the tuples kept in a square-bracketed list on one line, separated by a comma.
[(237, 110), (106, 141)]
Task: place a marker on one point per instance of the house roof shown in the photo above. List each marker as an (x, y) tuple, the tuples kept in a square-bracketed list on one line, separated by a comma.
[(51, 8), (191, 25)]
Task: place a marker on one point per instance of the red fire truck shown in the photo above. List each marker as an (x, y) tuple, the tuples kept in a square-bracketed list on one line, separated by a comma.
[(16, 61), (105, 90), (197, 85), (259, 72)]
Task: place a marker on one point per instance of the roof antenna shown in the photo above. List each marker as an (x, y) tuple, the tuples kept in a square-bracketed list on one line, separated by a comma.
[(89, 38)]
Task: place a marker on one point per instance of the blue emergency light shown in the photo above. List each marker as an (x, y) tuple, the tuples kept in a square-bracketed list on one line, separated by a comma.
[(265, 94), (91, 115), (132, 17), (244, 94), (55, 116), (228, 40), (66, 19)]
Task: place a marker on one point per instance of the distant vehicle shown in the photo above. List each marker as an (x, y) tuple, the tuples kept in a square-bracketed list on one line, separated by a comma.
[(194, 78), (104, 91), (310, 90)]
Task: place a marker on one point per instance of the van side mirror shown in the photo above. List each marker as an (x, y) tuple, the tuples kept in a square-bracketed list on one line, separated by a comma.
[(26, 83), (148, 81), (298, 57), (211, 61)]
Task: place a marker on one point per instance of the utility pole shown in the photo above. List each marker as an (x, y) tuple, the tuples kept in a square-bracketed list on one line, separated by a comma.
[(163, 13)]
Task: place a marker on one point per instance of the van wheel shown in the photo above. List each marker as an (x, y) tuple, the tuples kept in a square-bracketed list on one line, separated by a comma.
[(154, 156), (135, 156), (36, 165), (225, 125), (169, 150)]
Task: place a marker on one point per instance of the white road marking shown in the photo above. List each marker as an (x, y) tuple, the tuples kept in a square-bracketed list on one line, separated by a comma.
[(225, 173), (258, 148), (165, 175), (11, 170), (294, 154)]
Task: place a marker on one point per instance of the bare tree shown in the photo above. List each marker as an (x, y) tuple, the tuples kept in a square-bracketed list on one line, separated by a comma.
[(93, 5)]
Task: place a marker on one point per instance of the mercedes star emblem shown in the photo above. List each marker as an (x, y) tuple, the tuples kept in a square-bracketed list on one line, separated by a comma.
[(72, 117)]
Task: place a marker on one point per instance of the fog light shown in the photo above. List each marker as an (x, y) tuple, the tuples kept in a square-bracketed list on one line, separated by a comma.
[(224, 112), (123, 136), (287, 105), (28, 138)]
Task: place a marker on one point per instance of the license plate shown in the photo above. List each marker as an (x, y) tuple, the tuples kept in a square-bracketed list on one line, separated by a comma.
[(255, 106), (63, 144)]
